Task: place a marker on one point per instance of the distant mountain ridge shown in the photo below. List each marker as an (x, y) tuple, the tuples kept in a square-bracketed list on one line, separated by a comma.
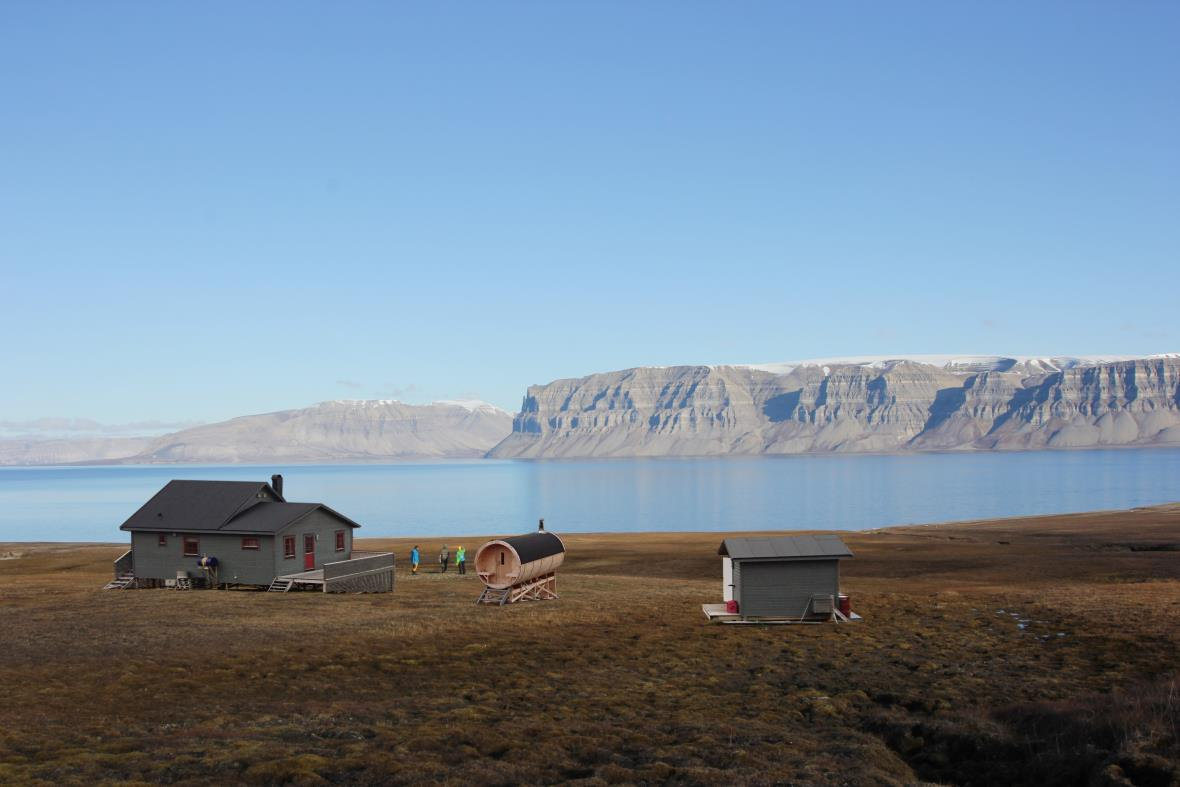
[(872, 404), (825, 405), (336, 431)]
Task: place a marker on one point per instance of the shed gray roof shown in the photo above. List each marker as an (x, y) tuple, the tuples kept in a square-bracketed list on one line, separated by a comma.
[(227, 506), (784, 547)]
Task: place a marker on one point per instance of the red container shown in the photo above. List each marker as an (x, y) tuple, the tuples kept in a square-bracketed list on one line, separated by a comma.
[(731, 607), (845, 606)]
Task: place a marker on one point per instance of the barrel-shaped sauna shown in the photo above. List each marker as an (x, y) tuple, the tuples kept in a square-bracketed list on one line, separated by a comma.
[(507, 562)]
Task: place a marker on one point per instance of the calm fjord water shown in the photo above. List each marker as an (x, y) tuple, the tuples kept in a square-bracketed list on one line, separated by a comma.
[(758, 493)]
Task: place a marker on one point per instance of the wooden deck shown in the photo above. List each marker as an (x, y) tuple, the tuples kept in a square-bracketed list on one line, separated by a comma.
[(315, 577), (364, 572)]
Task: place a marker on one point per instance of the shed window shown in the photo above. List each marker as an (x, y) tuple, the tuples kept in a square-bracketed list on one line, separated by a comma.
[(249, 542), (339, 540), (192, 546), (162, 540), (289, 546)]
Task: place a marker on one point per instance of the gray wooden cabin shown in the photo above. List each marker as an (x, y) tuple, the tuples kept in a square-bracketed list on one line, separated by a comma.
[(783, 576), (256, 537)]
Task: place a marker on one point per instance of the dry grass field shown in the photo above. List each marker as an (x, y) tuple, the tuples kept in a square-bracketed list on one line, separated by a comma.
[(1035, 651)]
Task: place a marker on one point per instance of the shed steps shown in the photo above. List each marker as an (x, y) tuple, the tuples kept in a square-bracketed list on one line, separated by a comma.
[(280, 585), (121, 582)]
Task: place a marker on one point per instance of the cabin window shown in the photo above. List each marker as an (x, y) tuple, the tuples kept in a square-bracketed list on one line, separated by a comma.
[(339, 540), (162, 540), (250, 542), (192, 546), (289, 546), (501, 558)]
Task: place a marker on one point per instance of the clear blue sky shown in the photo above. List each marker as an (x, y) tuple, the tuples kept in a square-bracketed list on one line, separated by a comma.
[(211, 209)]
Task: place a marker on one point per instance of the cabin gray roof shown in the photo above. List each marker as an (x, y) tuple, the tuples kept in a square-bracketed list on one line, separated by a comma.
[(226, 506), (273, 517), (784, 547)]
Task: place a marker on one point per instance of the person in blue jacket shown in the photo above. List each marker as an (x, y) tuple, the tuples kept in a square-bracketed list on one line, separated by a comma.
[(415, 558)]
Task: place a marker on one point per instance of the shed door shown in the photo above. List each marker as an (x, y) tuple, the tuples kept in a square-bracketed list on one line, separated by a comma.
[(784, 588), (308, 551)]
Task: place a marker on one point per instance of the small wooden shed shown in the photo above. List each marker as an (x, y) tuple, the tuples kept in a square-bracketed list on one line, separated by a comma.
[(790, 577)]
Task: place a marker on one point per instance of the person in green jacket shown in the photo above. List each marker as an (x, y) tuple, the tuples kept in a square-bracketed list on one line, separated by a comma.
[(461, 559)]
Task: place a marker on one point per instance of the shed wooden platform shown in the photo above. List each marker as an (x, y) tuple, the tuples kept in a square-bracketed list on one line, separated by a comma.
[(715, 613)]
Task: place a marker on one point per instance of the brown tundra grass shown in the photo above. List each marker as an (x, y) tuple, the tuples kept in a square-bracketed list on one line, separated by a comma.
[(1037, 651)]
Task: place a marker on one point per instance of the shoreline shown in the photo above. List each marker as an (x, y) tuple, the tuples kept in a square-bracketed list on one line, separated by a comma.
[(899, 528)]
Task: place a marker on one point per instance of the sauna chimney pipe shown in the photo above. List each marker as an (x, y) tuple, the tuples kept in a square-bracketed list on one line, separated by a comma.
[(541, 526), (276, 483)]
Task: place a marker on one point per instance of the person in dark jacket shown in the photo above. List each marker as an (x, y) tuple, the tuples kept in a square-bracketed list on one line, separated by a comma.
[(444, 557)]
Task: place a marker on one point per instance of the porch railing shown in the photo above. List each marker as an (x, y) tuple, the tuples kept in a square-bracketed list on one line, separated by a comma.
[(366, 572), (124, 564)]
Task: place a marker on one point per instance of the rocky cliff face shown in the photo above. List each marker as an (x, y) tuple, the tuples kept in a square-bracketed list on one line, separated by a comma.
[(328, 432), (877, 405)]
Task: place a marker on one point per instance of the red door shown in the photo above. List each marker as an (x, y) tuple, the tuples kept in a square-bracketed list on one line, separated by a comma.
[(308, 551)]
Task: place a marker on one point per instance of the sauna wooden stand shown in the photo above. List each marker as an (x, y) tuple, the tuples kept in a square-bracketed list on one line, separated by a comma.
[(539, 589)]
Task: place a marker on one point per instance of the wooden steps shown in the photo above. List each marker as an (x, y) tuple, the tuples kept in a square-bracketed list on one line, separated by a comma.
[(280, 585), (494, 596), (121, 582)]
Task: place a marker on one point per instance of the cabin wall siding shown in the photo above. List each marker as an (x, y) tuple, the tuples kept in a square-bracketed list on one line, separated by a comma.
[(324, 526), (235, 565)]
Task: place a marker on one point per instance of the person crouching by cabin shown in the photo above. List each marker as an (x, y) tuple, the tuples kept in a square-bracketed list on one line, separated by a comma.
[(461, 559), (444, 557), (415, 559)]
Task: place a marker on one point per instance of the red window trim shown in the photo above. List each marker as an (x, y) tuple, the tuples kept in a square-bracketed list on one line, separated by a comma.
[(251, 542), (340, 541), (185, 541), (162, 540), (289, 547)]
